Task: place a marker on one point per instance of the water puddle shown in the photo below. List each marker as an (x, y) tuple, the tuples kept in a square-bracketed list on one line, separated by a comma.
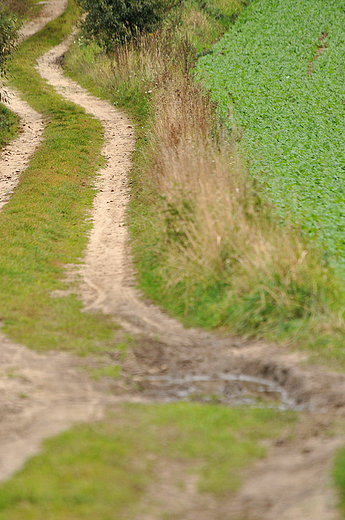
[(229, 389)]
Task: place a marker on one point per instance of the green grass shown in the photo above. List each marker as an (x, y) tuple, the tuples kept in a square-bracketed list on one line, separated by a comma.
[(9, 125), (102, 470), (293, 121), (339, 478), (44, 226), (24, 9)]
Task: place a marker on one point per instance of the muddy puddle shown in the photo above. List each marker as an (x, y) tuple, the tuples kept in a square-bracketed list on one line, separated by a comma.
[(232, 389)]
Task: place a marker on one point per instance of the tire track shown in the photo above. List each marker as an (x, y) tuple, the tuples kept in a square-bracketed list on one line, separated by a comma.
[(107, 277), (16, 156)]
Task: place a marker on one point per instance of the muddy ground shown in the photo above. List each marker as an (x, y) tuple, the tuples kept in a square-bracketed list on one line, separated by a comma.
[(42, 395)]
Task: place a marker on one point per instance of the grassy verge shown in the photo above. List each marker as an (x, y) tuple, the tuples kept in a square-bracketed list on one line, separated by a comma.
[(105, 470), (339, 478), (9, 127), (44, 226), (207, 243)]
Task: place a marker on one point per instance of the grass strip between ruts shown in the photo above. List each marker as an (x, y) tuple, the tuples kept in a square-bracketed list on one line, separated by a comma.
[(44, 226)]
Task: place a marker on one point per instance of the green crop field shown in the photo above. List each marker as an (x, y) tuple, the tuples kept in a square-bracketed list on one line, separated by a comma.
[(282, 68)]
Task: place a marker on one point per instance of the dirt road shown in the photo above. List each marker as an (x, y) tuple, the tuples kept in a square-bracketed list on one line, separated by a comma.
[(43, 395)]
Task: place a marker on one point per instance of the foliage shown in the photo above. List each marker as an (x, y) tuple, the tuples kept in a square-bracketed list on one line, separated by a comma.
[(8, 34), (111, 21), (281, 67), (206, 243)]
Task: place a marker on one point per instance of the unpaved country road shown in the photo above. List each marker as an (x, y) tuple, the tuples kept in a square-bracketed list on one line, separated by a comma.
[(51, 9), (41, 395)]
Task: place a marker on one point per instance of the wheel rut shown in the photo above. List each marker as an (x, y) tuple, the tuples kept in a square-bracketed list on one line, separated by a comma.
[(294, 481)]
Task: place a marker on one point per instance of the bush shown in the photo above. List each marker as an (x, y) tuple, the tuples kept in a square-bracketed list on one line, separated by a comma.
[(111, 21), (8, 35)]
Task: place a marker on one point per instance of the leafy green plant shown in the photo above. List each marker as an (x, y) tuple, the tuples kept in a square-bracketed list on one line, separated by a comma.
[(111, 21)]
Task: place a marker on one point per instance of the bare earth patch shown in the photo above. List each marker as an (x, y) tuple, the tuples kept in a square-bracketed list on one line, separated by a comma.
[(44, 394)]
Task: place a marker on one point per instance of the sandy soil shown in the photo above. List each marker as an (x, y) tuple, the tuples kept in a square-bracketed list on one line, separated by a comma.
[(15, 158), (40, 396), (293, 483)]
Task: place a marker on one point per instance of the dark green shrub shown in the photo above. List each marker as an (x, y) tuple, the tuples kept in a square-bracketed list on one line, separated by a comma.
[(8, 35), (111, 21)]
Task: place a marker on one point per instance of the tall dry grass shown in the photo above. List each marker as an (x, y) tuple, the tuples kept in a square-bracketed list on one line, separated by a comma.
[(218, 226), (212, 226)]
